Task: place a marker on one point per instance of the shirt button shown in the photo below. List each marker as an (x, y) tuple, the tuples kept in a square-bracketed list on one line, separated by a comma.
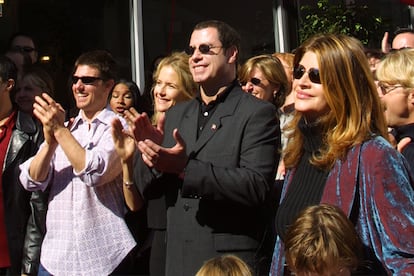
[(205, 114)]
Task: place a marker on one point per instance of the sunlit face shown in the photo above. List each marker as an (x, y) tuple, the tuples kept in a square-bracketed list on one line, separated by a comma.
[(167, 89), (259, 86), (121, 98), (399, 106), (91, 98), (25, 93), (309, 96), (207, 68)]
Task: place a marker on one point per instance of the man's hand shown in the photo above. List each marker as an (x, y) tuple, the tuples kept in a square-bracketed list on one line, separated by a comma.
[(403, 143), (169, 160), (140, 126), (124, 143), (385, 46), (50, 114)]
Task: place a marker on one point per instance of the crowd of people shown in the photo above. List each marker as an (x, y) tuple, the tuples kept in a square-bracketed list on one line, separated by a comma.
[(286, 164)]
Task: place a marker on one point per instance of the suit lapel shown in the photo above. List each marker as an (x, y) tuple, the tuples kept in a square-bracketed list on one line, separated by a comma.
[(213, 125)]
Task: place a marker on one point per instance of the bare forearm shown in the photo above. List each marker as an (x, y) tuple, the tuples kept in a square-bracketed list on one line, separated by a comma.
[(72, 149), (39, 167)]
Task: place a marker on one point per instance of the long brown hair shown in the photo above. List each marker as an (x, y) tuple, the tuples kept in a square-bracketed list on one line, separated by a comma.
[(355, 113)]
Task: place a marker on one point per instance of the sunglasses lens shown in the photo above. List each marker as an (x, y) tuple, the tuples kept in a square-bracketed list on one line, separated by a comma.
[(84, 80), (314, 75), (298, 72), (88, 80), (190, 50), (204, 48), (255, 81)]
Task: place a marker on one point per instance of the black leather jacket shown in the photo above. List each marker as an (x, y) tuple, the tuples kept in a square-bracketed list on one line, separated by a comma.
[(19, 203)]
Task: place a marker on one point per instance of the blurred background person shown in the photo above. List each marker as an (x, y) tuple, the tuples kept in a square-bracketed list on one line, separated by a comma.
[(286, 111), (24, 43), (403, 38)]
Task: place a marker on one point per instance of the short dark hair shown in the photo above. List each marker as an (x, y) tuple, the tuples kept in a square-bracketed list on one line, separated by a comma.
[(228, 36), (101, 60)]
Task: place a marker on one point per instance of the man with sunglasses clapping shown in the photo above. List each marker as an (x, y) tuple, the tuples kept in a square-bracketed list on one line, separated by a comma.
[(86, 232), (214, 161)]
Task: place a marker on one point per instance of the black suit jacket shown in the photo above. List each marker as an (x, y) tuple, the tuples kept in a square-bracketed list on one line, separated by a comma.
[(221, 204)]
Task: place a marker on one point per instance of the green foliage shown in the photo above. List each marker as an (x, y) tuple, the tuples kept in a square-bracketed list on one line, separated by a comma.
[(354, 20)]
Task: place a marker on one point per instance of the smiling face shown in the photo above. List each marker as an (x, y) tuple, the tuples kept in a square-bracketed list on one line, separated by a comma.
[(264, 89), (167, 89), (92, 97), (214, 68), (309, 96), (121, 98)]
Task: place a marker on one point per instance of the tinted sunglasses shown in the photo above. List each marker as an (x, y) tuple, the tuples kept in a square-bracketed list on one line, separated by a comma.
[(254, 81), (203, 48), (313, 73), (26, 49), (85, 80)]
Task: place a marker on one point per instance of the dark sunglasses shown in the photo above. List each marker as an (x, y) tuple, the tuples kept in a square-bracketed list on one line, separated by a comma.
[(203, 48), (85, 80), (313, 73), (254, 81), (26, 49)]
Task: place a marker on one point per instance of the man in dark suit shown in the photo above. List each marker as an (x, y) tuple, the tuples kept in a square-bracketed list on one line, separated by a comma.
[(212, 161)]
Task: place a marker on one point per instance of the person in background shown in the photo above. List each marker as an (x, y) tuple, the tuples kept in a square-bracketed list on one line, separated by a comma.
[(213, 158), (374, 56), (395, 74), (125, 95), (172, 84), (286, 111), (86, 231), (34, 81), (25, 44), (264, 77), (21, 60), (323, 241), (20, 138), (404, 38), (225, 265), (339, 153)]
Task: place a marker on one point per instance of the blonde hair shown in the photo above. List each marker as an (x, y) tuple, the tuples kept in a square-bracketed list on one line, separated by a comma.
[(397, 68), (322, 238), (178, 61), (273, 70), (226, 265), (356, 112)]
